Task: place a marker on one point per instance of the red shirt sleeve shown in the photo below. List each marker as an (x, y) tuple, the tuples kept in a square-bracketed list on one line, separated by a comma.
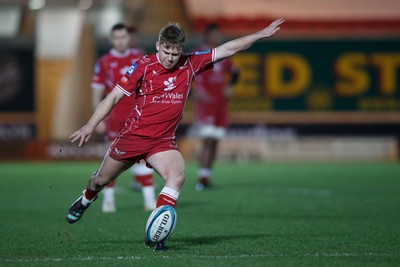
[(202, 60), (132, 78), (98, 79)]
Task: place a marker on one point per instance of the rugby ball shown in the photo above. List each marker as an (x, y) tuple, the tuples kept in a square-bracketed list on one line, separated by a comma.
[(161, 223)]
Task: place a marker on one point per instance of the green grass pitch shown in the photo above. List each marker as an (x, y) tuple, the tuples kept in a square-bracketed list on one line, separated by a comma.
[(277, 214)]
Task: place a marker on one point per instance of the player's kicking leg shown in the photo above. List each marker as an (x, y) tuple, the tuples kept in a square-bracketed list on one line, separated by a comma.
[(110, 169)]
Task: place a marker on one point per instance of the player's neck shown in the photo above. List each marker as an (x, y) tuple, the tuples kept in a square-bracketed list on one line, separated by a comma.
[(117, 53)]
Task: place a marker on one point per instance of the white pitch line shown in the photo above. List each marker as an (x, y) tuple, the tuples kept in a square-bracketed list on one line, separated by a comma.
[(229, 256)]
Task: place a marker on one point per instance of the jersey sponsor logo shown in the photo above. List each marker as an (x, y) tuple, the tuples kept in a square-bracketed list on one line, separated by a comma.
[(202, 52), (169, 84), (131, 69), (168, 98)]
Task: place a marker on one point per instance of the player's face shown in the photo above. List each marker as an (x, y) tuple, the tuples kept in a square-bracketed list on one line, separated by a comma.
[(168, 55), (120, 40)]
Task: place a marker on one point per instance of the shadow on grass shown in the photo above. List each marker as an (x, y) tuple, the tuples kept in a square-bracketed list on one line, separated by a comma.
[(216, 239)]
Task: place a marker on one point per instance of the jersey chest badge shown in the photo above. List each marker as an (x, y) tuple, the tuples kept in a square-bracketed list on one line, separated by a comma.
[(169, 84)]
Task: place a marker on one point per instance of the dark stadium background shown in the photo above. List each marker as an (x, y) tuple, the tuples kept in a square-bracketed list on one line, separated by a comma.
[(308, 174)]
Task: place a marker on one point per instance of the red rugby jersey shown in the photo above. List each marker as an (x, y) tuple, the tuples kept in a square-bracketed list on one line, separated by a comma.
[(108, 72), (161, 93)]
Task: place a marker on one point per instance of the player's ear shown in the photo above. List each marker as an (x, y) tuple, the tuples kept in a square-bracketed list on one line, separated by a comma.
[(158, 46)]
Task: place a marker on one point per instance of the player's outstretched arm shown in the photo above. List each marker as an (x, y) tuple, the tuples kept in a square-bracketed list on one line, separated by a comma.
[(232, 47), (102, 110)]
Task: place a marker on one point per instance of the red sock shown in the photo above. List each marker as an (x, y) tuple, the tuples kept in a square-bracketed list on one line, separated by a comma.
[(204, 180), (204, 175), (167, 196), (145, 180), (165, 200), (89, 193)]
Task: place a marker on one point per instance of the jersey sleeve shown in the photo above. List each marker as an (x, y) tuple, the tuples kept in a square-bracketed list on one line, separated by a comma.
[(202, 60), (98, 79), (132, 79)]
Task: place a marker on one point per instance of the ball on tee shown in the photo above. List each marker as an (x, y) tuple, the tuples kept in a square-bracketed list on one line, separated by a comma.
[(161, 223)]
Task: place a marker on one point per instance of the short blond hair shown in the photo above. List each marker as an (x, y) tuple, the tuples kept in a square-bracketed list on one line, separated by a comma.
[(172, 35)]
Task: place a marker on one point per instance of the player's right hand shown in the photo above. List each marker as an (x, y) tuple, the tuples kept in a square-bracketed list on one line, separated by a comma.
[(83, 135)]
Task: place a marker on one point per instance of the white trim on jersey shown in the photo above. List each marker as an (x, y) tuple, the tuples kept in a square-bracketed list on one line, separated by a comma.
[(214, 55), (123, 90), (140, 113)]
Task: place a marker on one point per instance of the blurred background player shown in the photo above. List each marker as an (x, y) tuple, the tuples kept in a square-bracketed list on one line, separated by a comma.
[(136, 170), (212, 89), (108, 71), (133, 38)]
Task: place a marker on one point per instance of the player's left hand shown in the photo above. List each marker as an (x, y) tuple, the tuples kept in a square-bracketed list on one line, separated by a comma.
[(272, 28), (83, 135)]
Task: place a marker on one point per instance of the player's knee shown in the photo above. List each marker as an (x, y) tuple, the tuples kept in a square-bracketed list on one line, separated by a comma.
[(179, 179)]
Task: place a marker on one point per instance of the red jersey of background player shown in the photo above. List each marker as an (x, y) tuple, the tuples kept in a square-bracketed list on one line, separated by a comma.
[(211, 103), (108, 71), (213, 82), (161, 93)]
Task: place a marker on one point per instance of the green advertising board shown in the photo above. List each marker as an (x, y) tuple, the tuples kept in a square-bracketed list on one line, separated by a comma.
[(318, 75)]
